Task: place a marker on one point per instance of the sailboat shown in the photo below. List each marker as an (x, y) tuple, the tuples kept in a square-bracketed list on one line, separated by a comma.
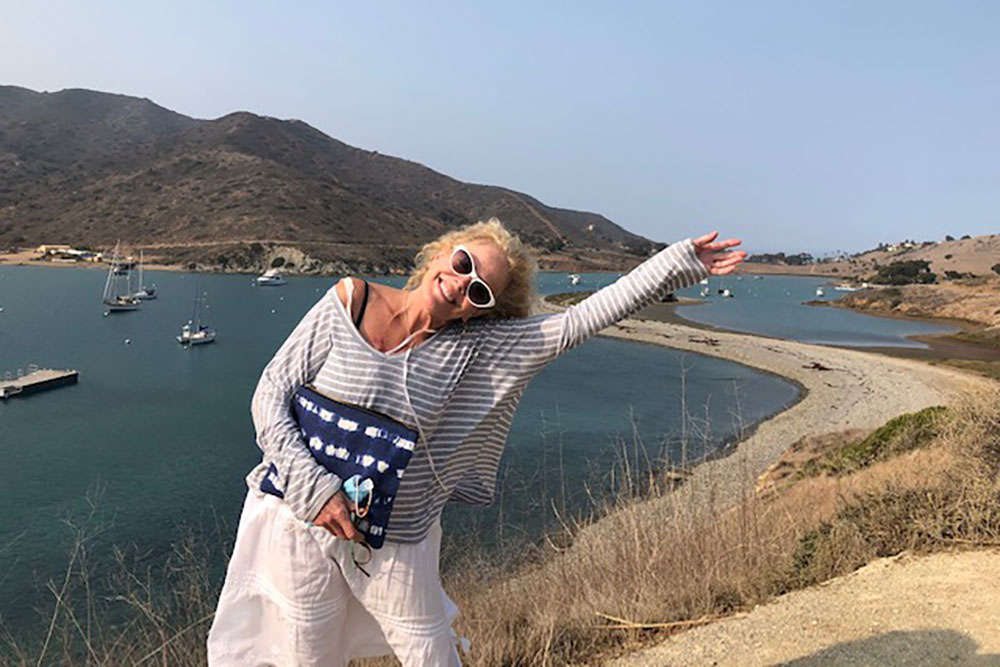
[(194, 332), (144, 293), (114, 301)]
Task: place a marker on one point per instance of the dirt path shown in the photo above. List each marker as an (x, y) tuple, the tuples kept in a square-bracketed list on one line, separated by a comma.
[(942, 609)]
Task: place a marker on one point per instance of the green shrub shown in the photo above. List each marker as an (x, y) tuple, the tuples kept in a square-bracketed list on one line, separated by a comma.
[(905, 273), (902, 434)]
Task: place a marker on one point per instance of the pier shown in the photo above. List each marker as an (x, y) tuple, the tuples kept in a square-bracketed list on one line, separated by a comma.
[(33, 380)]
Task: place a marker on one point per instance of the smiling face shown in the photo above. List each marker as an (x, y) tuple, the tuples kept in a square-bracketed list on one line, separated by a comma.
[(445, 290)]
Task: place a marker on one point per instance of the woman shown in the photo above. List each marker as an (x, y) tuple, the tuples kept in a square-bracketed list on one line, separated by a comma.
[(449, 355)]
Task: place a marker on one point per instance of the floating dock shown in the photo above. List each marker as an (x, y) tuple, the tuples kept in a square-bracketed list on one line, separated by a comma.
[(34, 381)]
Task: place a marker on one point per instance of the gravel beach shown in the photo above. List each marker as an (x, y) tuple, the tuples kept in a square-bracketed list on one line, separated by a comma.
[(841, 389)]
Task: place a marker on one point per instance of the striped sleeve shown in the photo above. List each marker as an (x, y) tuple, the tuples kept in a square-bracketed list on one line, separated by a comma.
[(307, 484), (671, 269), (523, 346)]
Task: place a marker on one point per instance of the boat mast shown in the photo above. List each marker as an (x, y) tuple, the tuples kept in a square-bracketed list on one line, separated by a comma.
[(196, 313), (111, 271)]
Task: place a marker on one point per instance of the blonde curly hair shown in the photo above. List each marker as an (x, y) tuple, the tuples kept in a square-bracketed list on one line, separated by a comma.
[(518, 297)]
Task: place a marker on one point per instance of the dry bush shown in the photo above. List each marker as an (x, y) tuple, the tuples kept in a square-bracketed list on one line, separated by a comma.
[(154, 616), (657, 562), (657, 566), (955, 503)]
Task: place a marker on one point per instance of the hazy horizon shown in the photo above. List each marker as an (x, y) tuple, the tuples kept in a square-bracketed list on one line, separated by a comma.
[(832, 126)]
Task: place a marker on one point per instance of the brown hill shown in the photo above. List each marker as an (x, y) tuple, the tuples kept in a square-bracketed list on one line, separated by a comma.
[(976, 255), (88, 168)]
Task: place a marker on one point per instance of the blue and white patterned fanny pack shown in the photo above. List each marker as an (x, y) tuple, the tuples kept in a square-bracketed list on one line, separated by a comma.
[(355, 444)]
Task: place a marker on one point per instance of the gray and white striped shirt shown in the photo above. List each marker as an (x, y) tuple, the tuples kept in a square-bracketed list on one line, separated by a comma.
[(459, 388)]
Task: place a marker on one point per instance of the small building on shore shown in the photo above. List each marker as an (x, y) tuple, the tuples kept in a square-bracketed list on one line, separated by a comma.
[(68, 253)]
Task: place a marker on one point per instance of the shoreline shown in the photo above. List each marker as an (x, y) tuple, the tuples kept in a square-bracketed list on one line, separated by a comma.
[(842, 389), (940, 346), (28, 259)]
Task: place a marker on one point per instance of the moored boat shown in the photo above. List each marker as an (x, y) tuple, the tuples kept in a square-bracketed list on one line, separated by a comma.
[(271, 277), (116, 300), (144, 293), (194, 332)]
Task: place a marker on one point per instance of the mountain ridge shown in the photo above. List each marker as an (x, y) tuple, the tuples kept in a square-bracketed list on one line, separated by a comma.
[(85, 167)]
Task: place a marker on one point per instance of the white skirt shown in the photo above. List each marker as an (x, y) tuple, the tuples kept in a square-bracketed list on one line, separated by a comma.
[(293, 596)]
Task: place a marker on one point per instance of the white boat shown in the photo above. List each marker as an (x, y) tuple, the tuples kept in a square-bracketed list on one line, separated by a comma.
[(144, 293), (271, 277), (726, 292), (819, 291), (574, 279), (194, 332), (704, 281), (115, 299), (705, 292)]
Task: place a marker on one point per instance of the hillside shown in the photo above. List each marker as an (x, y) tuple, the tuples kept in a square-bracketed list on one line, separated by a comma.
[(976, 255), (87, 168)]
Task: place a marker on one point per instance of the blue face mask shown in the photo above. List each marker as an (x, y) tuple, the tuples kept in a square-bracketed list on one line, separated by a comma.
[(358, 490)]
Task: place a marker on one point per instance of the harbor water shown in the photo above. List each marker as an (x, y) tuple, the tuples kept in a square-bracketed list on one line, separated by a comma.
[(162, 435)]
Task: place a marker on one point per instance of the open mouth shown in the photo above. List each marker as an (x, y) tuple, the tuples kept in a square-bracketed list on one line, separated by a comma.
[(444, 292)]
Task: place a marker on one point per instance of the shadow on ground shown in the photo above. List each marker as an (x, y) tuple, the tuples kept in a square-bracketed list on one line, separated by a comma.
[(930, 648)]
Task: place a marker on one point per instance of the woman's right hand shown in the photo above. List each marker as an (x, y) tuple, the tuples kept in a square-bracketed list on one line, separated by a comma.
[(336, 518)]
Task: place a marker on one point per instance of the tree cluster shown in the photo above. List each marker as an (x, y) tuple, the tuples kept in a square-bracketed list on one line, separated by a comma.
[(781, 258), (914, 271)]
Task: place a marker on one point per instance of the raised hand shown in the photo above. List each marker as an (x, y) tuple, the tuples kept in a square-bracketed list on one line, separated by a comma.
[(716, 255)]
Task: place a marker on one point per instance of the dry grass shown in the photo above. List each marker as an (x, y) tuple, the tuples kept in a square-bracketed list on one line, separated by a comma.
[(654, 564), (990, 369), (156, 616), (651, 573)]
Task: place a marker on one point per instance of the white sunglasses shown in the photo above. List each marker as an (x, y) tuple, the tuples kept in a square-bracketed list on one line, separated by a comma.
[(479, 293)]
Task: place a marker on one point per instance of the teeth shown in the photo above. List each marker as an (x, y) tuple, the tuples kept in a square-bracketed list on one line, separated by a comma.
[(450, 299)]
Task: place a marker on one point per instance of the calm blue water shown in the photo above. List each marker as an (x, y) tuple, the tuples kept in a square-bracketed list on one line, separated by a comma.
[(775, 306), (165, 433)]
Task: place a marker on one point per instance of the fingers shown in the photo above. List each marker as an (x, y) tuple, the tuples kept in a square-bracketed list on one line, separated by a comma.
[(722, 245), (336, 518), (725, 263), (334, 529), (702, 241), (729, 259)]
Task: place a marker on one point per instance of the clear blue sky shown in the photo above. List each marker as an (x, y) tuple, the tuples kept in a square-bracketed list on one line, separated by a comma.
[(799, 125)]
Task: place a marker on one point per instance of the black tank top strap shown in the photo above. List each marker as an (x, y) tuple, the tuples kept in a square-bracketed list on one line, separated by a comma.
[(364, 304)]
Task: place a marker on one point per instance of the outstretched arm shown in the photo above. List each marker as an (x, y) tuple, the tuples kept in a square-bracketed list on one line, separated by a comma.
[(521, 348), (677, 266)]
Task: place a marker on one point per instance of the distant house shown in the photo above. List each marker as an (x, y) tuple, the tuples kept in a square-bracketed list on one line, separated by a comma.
[(67, 253), (50, 248)]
